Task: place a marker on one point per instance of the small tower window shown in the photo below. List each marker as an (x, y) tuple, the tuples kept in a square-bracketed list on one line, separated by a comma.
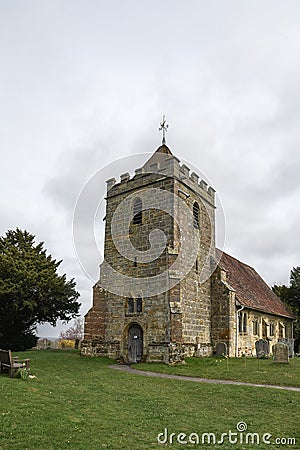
[(130, 305), (137, 211), (139, 305), (196, 215)]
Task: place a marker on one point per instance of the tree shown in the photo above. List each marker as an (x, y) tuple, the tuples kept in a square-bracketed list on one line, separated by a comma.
[(291, 297), (74, 333), (31, 290)]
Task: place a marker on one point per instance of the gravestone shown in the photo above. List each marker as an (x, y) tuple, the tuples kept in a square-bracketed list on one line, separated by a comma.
[(290, 343), (262, 348), (281, 353), (221, 349)]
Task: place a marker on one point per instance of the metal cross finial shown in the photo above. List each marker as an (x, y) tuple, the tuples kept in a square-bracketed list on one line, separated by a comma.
[(164, 128)]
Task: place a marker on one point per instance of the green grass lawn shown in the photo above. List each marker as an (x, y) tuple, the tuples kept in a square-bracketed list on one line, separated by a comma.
[(80, 403), (251, 370)]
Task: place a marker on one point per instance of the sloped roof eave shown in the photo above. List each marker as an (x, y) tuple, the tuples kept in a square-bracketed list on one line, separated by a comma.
[(251, 290), (253, 308)]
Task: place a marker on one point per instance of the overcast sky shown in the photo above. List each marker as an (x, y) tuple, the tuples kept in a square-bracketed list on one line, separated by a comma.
[(84, 83)]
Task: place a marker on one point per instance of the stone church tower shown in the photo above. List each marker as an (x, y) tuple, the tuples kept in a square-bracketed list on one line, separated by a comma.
[(153, 299), (165, 292)]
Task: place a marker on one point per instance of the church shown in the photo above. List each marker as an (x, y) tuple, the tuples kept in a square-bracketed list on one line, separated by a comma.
[(165, 291)]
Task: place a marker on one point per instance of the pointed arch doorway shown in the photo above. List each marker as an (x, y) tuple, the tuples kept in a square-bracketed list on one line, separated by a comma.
[(135, 343)]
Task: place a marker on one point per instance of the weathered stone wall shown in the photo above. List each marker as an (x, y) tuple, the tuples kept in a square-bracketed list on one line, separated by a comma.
[(95, 319), (268, 328), (107, 332), (194, 298), (224, 321), (154, 321), (223, 316), (175, 323)]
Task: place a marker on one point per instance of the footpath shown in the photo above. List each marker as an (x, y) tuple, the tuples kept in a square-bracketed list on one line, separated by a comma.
[(129, 369)]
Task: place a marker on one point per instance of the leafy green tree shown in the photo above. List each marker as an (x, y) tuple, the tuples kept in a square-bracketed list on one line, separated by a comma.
[(290, 295), (31, 290)]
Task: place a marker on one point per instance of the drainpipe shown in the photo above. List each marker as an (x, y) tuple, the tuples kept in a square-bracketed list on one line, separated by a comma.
[(237, 330)]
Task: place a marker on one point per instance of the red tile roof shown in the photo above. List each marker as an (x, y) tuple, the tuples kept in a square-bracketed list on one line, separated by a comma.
[(250, 289)]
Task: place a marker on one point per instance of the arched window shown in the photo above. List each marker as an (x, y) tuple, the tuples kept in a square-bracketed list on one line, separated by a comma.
[(137, 211), (139, 305), (130, 305), (196, 215)]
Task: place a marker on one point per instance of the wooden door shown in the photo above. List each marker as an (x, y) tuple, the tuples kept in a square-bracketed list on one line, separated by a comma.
[(135, 343)]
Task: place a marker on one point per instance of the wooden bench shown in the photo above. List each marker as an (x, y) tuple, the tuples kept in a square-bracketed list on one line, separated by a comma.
[(10, 363)]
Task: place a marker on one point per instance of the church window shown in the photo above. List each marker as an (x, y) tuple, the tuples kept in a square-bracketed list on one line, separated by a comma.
[(288, 332), (243, 322), (196, 215), (134, 305), (281, 330), (130, 305), (137, 211), (265, 329), (255, 327), (139, 305), (272, 329), (240, 323), (197, 265)]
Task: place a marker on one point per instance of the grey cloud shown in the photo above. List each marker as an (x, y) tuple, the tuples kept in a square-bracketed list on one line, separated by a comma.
[(225, 73)]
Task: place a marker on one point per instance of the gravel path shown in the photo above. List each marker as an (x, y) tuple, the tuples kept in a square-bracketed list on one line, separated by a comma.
[(129, 369)]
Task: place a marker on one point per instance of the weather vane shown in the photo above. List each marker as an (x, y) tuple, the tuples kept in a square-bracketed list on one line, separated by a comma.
[(164, 128)]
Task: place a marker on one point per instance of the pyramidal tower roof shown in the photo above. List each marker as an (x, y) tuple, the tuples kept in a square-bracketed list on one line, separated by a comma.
[(164, 149), (159, 156)]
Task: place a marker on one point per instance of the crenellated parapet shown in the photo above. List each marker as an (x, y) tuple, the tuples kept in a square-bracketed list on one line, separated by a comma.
[(162, 165)]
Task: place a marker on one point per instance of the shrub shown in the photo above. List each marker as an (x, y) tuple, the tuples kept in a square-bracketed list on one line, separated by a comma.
[(66, 343)]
